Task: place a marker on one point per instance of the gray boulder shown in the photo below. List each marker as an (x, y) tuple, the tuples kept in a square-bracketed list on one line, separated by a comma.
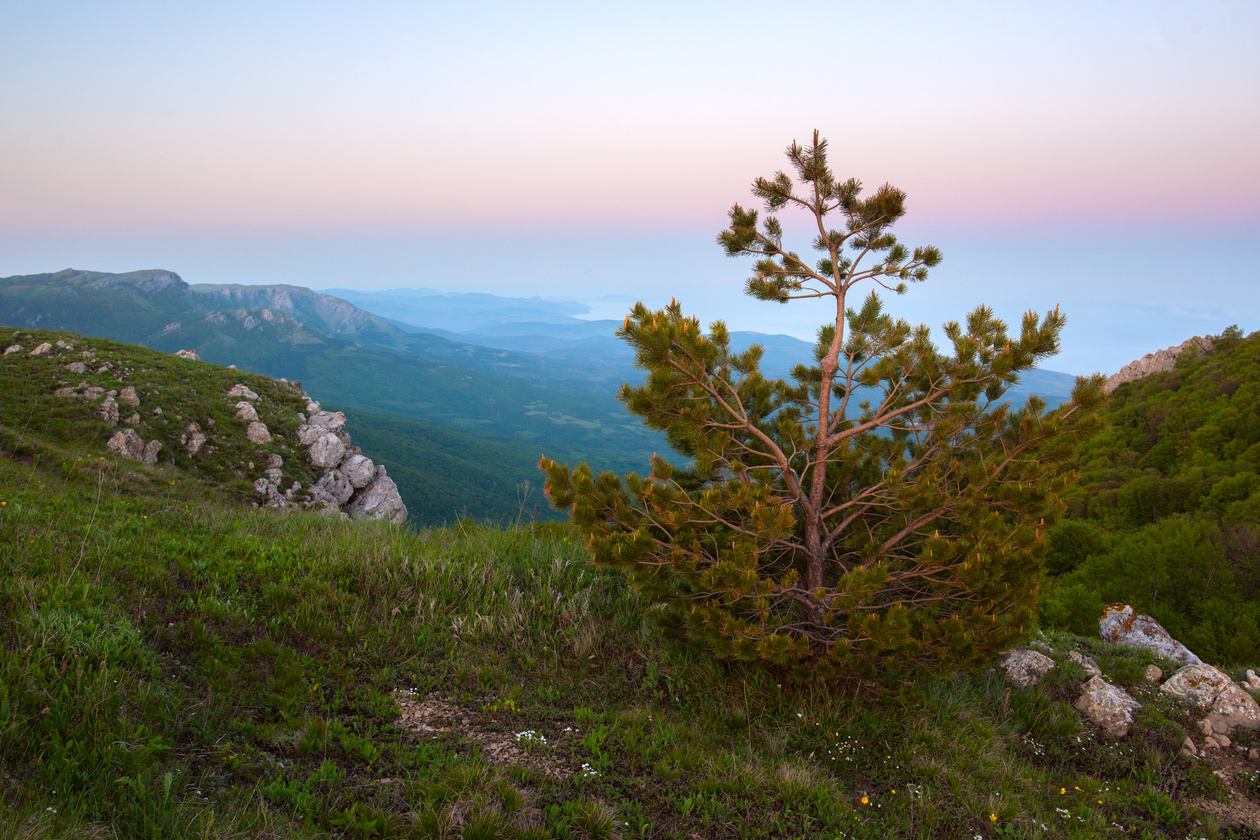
[(257, 432), (327, 451), (1120, 625), (379, 500), (335, 486), (330, 421), (151, 450), (359, 469), (245, 411), (239, 390), (308, 434)]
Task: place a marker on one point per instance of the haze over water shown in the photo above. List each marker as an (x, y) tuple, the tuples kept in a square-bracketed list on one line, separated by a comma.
[(1096, 156)]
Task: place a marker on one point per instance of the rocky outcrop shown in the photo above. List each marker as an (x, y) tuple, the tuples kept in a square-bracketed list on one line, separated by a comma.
[(1228, 704), (1159, 361), (1119, 624)]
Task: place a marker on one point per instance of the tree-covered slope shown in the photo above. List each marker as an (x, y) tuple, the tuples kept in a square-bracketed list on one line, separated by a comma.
[(1166, 514)]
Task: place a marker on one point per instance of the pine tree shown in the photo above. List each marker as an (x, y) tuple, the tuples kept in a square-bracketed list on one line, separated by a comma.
[(883, 511)]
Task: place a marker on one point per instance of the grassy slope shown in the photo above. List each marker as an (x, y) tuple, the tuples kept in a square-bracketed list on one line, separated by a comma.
[(171, 665)]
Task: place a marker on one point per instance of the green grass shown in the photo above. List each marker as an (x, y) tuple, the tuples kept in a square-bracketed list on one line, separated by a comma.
[(173, 665)]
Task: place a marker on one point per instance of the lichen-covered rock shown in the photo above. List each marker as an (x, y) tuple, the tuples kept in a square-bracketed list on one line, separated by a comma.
[(327, 451), (1024, 668), (379, 500), (109, 411), (129, 396), (1120, 625), (1107, 707), (239, 390), (245, 411), (127, 444), (257, 432), (359, 469), (1090, 666), (1233, 707), (151, 450), (335, 486), (1196, 684), (42, 350)]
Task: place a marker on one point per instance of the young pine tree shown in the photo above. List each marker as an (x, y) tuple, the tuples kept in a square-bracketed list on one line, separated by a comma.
[(884, 511)]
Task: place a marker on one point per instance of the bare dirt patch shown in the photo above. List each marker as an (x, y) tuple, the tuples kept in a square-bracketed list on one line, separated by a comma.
[(435, 716)]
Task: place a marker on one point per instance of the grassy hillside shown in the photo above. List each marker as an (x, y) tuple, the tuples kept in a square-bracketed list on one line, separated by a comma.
[(172, 665), (1166, 514)]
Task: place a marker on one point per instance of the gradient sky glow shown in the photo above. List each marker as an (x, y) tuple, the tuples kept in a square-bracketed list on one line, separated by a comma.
[(1101, 155)]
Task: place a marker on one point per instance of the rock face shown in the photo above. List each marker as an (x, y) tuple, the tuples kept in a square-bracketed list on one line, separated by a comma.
[(1025, 668), (1107, 707), (1159, 361), (1119, 624)]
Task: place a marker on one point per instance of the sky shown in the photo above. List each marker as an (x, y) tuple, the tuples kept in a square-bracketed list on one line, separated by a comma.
[(1100, 156)]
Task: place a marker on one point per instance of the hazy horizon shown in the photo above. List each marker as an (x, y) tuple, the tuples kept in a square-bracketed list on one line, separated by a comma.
[(1098, 157)]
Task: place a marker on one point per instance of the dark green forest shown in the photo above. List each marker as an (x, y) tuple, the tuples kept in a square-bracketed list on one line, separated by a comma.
[(1166, 512)]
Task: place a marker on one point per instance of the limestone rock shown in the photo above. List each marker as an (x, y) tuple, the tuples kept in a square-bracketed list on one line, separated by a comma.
[(1160, 360), (1196, 684), (13, 348), (312, 407), (134, 419), (308, 434), (1187, 747), (330, 421), (1090, 666), (76, 367), (1153, 674), (1253, 682), (109, 411), (257, 432), (93, 392), (379, 500), (129, 396), (274, 461), (359, 469), (327, 451), (42, 350), (188, 354), (127, 444), (196, 440), (274, 476), (239, 390), (1107, 707), (1119, 624), (151, 450), (335, 486), (1024, 668), (1234, 707), (245, 411), (270, 495)]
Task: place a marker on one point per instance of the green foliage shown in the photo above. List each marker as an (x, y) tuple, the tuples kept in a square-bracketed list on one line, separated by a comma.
[(880, 513), (1166, 514)]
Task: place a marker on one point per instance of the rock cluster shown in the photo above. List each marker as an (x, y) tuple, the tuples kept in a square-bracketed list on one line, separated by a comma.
[(1111, 709)]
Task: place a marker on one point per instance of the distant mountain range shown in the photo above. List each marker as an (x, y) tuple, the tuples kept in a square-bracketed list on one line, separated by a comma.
[(458, 394)]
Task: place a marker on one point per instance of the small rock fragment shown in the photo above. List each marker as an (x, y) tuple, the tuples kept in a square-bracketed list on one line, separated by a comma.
[(239, 390), (1153, 674), (1187, 747), (1090, 666), (13, 348)]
